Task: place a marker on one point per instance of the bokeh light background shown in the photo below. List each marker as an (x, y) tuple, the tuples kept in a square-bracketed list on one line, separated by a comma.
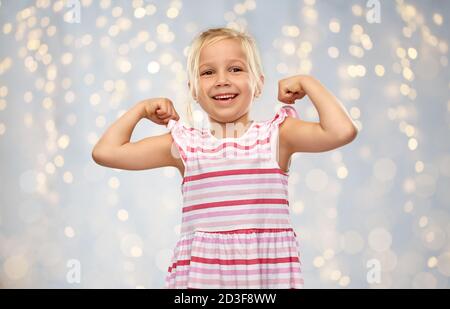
[(385, 197)]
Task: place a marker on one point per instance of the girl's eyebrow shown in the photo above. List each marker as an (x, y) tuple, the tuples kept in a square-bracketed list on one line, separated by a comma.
[(231, 60)]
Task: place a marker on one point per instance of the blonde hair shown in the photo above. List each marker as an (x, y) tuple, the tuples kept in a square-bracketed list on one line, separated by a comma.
[(212, 36)]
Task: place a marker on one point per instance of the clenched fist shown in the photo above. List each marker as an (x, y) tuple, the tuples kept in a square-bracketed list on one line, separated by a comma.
[(290, 89), (159, 110)]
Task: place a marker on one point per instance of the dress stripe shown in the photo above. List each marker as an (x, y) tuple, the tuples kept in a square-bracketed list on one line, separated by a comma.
[(234, 172), (236, 182), (234, 203), (209, 195)]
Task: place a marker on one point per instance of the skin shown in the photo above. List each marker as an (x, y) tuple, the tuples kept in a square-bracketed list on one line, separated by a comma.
[(223, 68), (335, 129)]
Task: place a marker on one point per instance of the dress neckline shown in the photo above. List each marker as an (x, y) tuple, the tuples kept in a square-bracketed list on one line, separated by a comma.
[(231, 138)]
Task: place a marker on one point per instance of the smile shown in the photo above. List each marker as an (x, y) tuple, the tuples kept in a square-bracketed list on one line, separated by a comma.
[(227, 98)]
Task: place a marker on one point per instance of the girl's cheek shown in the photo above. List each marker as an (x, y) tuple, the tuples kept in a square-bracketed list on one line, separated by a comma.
[(206, 84)]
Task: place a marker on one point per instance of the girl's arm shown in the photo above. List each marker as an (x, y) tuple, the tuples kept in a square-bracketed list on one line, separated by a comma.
[(335, 129), (115, 150)]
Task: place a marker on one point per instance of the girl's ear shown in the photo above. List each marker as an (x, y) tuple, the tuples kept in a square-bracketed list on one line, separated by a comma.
[(193, 95), (262, 81), (259, 86)]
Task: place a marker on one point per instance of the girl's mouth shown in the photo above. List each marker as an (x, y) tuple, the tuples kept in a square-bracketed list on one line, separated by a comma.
[(225, 99)]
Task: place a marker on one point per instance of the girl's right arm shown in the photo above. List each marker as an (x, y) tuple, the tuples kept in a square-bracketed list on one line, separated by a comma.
[(115, 150)]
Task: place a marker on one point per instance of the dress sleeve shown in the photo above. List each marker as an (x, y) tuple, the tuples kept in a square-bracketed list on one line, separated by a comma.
[(180, 138), (283, 112)]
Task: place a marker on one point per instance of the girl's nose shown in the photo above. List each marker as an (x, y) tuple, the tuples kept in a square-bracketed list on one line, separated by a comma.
[(222, 79)]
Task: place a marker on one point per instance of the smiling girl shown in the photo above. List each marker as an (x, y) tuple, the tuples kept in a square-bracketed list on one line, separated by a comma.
[(236, 230)]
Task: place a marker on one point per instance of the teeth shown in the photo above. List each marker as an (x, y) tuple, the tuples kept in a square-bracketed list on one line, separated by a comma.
[(224, 97)]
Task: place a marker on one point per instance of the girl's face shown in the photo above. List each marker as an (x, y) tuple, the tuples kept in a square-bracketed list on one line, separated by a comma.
[(225, 84)]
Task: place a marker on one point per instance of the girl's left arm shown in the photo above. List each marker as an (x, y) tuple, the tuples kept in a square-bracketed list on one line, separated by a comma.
[(335, 129)]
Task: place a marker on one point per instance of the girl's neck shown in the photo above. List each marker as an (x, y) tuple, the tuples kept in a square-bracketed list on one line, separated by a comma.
[(233, 129)]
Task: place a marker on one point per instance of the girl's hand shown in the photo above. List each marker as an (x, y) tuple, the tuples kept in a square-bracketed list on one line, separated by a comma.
[(159, 110), (290, 89)]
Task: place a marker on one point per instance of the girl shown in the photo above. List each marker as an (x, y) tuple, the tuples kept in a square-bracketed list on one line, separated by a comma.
[(236, 230)]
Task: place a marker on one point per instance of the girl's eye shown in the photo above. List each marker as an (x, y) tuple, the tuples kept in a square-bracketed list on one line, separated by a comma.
[(234, 69)]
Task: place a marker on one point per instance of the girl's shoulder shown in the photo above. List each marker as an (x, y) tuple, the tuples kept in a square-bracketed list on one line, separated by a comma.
[(180, 129), (180, 126), (282, 111)]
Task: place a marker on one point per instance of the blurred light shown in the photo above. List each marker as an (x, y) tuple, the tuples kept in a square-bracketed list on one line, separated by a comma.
[(95, 99), (140, 12), (335, 275), (355, 112), (282, 68), (136, 251), (412, 53), (290, 31), (443, 264), (356, 51), (438, 19), (432, 262), (423, 221), (342, 172), (150, 9), (379, 70), (68, 177), (333, 52), (289, 48), (7, 28), (328, 254), (344, 281), (122, 215), (298, 207), (419, 166), (357, 10), (334, 26), (318, 262), (408, 207), (310, 14), (16, 267), (153, 67), (239, 8), (172, 12), (66, 58), (3, 104), (117, 11), (412, 144), (69, 232), (166, 59), (354, 93), (113, 182), (131, 245), (63, 141)]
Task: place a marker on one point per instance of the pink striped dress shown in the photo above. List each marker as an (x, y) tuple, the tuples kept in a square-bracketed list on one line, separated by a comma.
[(236, 230)]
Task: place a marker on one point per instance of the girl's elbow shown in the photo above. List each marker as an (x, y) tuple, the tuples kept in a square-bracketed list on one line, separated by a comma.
[(349, 135), (95, 156), (99, 155)]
